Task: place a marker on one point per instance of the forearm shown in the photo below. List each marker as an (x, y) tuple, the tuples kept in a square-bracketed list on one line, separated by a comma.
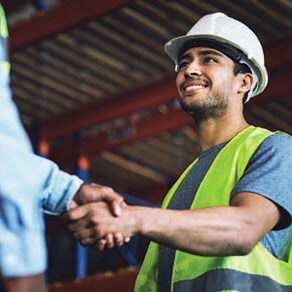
[(212, 231), (209, 232), (34, 283)]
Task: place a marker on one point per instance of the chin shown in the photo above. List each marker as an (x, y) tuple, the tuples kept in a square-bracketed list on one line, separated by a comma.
[(192, 102)]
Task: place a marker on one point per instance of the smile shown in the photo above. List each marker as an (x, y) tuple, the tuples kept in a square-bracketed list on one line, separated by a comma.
[(193, 87)]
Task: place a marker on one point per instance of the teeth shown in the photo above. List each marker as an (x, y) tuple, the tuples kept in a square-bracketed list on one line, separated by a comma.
[(194, 87)]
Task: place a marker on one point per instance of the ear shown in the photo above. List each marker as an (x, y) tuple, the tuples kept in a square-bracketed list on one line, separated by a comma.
[(247, 80)]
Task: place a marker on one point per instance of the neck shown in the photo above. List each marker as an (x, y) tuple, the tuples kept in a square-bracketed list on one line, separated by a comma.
[(214, 131)]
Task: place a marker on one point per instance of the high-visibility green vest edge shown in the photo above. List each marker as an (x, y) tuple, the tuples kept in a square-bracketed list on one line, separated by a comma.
[(257, 271), (5, 65)]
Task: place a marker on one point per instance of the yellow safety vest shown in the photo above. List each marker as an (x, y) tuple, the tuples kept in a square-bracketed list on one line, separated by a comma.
[(5, 65), (259, 271)]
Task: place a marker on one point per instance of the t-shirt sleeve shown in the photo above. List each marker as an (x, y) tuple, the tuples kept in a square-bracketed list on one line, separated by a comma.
[(269, 173)]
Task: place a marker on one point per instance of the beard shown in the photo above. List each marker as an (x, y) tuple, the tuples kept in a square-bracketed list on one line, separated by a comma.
[(214, 106)]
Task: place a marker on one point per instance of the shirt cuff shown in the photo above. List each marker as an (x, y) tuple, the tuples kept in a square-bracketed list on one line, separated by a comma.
[(64, 189)]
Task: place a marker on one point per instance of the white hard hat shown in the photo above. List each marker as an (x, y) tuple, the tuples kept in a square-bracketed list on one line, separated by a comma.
[(231, 37)]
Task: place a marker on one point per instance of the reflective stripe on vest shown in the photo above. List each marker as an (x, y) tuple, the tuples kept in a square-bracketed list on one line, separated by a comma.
[(230, 280), (215, 190)]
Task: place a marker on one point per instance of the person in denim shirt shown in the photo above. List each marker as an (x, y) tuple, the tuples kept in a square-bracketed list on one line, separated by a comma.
[(29, 186)]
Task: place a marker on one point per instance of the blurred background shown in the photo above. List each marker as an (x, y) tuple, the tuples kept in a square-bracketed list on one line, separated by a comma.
[(96, 94)]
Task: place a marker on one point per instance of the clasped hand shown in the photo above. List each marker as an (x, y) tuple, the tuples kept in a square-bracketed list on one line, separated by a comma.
[(94, 217)]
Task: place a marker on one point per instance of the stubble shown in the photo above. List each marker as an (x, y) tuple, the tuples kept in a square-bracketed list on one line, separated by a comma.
[(214, 106)]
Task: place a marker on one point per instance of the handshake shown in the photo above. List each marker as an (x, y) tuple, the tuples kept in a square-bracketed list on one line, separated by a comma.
[(98, 217)]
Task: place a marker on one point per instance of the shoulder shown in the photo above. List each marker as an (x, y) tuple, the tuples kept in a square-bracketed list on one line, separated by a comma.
[(269, 172), (277, 141), (273, 154), (274, 146)]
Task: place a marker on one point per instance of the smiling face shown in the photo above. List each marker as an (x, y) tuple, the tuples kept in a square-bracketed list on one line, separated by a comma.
[(205, 82)]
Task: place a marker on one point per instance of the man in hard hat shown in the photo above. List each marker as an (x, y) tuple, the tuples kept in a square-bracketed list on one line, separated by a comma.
[(29, 186), (225, 225)]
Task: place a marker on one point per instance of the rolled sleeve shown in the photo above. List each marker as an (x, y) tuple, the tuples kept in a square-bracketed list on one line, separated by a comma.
[(29, 184), (63, 190)]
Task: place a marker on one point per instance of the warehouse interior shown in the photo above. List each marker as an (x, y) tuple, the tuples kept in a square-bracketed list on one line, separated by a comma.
[(97, 95)]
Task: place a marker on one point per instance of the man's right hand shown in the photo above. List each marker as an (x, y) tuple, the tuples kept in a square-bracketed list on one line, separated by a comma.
[(93, 222), (94, 193)]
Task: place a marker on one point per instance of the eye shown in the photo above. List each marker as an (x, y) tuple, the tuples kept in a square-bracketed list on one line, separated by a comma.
[(209, 60), (182, 65)]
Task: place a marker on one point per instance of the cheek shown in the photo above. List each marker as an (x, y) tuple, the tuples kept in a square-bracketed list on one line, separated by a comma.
[(224, 81), (232, 84), (179, 80)]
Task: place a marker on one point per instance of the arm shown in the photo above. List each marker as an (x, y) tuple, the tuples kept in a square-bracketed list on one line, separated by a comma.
[(27, 183), (34, 283), (216, 231)]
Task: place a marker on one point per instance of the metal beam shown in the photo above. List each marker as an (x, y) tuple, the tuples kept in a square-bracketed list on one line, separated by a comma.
[(157, 124), (175, 118), (125, 105), (278, 86), (154, 195), (67, 14), (122, 106), (278, 54), (11, 6), (124, 279)]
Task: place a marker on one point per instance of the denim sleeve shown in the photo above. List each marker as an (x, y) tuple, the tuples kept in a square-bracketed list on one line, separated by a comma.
[(269, 173), (29, 185)]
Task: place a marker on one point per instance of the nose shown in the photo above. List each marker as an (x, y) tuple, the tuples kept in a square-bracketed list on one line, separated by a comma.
[(193, 69)]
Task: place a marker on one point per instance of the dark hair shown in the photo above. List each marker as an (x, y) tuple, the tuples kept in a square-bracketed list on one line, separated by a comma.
[(241, 69)]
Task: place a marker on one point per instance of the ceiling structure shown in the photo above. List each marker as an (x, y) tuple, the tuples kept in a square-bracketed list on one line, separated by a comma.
[(92, 76)]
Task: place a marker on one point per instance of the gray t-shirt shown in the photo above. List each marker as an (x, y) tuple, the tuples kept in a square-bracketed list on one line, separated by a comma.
[(268, 173)]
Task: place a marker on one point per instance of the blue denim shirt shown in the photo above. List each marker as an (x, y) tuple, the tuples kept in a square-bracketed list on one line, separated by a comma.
[(29, 185)]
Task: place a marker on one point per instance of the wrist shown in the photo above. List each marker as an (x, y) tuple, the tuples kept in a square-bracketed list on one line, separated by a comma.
[(139, 218), (132, 218), (76, 197), (75, 201)]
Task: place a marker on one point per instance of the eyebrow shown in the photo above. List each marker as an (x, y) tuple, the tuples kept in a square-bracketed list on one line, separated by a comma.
[(184, 56), (201, 53)]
